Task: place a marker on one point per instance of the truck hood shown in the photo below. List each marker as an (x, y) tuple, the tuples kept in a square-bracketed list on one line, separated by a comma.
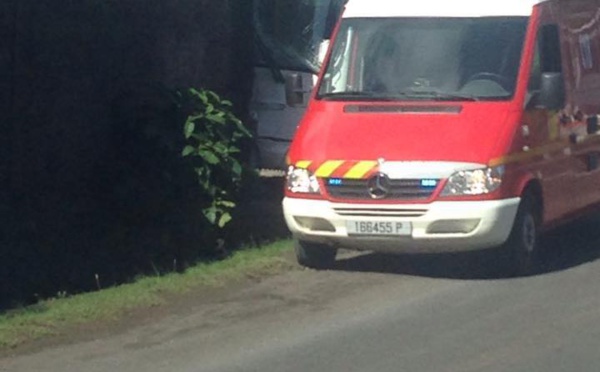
[(471, 132)]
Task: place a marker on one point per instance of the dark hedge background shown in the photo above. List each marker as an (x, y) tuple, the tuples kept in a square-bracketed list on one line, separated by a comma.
[(87, 185)]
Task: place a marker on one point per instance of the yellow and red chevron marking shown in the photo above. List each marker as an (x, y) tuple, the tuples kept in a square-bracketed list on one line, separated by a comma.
[(340, 168)]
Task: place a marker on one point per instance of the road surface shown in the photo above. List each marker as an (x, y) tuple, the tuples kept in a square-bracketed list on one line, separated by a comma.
[(372, 313)]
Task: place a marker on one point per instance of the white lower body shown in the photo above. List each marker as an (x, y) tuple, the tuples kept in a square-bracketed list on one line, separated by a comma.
[(439, 227)]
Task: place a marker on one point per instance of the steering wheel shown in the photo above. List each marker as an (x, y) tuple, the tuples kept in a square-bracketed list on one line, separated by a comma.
[(497, 78)]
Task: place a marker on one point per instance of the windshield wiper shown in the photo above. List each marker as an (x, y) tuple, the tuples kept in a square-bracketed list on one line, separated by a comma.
[(440, 96)]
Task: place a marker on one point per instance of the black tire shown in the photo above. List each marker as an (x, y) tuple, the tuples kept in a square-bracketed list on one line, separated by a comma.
[(314, 255), (523, 244)]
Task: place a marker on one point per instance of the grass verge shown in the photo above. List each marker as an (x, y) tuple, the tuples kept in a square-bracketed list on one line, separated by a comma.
[(52, 316)]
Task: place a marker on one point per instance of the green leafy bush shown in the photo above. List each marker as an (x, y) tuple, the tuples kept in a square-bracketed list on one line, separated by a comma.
[(213, 138)]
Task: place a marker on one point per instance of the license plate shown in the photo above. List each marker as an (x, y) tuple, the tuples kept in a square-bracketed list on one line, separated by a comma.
[(378, 228)]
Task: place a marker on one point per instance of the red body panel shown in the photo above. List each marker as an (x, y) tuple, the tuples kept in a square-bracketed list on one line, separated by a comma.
[(327, 132)]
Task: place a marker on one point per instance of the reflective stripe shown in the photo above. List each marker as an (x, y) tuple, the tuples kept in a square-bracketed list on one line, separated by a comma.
[(339, 168), (394, 169), (361, 169), (529, 154), (328, 168), (303, 164)]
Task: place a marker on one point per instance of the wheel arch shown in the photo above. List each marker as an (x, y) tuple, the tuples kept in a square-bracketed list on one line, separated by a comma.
[(533, 188)]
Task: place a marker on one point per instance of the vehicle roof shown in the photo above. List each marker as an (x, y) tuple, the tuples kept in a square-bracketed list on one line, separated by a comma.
[(439, 8)]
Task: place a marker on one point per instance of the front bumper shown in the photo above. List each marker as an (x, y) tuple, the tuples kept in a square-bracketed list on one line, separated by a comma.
[(488, 224)]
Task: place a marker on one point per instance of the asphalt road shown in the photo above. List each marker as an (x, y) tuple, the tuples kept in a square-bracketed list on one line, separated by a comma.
[(374, 313)]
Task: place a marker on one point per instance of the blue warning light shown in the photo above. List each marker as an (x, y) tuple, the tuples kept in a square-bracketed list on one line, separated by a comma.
[(335, 182), (429, 183)]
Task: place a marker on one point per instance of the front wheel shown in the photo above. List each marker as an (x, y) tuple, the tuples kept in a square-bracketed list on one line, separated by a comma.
[(523, 246), (314, 255)]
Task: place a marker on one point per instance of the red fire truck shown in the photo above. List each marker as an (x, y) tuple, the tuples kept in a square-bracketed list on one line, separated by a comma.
[(447, 126)]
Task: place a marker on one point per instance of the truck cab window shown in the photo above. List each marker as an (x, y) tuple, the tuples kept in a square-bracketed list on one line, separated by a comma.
[(547, 55), (550, 49)]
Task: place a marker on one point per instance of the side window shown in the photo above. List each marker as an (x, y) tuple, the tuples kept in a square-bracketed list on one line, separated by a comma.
[(536, 70), (547, 55), (587, 56), (550, 49)]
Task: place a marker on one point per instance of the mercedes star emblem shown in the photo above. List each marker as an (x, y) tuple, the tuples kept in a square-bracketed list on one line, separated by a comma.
[(379, 186)]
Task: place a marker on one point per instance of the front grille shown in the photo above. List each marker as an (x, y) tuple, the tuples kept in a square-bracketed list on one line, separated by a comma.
[(400, 189), (380, 212)]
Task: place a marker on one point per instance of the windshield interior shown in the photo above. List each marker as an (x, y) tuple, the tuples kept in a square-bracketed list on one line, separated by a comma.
[(425, 58)]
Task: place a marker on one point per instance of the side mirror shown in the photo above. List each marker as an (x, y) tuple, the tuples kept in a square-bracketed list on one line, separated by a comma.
[(552, 91), (297, 89)]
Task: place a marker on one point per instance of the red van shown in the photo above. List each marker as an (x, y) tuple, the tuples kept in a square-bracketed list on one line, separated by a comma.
[(447, 126)]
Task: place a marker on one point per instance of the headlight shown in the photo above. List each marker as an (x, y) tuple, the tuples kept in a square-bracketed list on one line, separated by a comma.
[(474, 182), (302, 181)]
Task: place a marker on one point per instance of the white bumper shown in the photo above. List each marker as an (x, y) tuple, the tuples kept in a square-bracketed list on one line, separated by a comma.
[(485, 224)]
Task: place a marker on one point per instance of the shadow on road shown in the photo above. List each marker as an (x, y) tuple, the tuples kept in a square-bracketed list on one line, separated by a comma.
[(567, 247)]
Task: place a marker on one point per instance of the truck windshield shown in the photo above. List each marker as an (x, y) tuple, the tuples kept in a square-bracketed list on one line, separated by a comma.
[(425, 59)]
